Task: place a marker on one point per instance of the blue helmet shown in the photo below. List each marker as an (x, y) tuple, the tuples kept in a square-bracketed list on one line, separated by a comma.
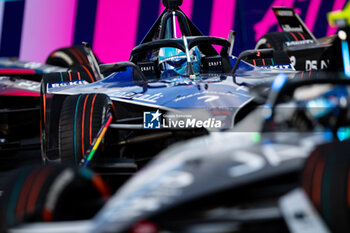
[(173, 61)]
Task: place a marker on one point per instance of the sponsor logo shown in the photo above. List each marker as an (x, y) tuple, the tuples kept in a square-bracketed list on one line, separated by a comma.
[(147, 68), (288, 28), (284, 13), (67, 84), (313, 64), (208, 98), (214, 95), (151, 120), (29, 85), (140, 96), (21, 84), (300, 42), (192, 123), (278, 67), (247, 162), (214, 63)]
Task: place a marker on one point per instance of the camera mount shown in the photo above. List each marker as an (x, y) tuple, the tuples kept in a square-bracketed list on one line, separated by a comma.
[(172, 4)]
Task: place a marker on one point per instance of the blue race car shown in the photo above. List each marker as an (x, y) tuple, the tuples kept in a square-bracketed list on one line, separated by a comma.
[(20, 100), (171, 89)]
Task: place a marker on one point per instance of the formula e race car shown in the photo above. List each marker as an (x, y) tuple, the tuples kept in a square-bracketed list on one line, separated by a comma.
[(304, 50), (283, 168), (248, 180), (171, 89), (20, 98), (245, 180)]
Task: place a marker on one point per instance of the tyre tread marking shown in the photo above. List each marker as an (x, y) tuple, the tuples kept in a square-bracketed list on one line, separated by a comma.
[(23, 198), (76, 55), (92, 109), (86, 69), (317, 182), (39, 182), (10, 214), (75, 130), (83, 127), (296, 38), (301, 35)]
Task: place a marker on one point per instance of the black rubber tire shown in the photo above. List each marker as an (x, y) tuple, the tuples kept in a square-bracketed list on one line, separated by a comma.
[(51, 193), (86, 70), (326, 180), (276, 40), (78, 127), (49, 142), (68, 57)]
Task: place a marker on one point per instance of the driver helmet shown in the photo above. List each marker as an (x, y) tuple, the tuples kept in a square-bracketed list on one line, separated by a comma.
[(173, 61)]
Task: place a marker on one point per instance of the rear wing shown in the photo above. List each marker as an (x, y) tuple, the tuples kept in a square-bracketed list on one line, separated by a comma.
[(289, 21)]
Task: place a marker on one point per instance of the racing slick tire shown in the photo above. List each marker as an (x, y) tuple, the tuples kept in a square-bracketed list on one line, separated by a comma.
[(326, 179), (68, 57), (277, 40), (81, 118), (86, 70), (51, 193), (49, 141)]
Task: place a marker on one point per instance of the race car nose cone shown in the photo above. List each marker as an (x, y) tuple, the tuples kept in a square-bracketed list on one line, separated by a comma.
[(172, 4)]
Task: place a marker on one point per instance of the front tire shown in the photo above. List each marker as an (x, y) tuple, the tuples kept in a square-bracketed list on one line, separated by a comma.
[(51, 194), (68, 57), (80, 120), (51, 108), (326, 180)]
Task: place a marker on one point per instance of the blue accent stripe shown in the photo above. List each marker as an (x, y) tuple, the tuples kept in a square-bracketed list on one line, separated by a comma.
[(12, 28), (85, 21), (61, 76), (346, 58), (287, 37), (201, 16), (148, 15), (273, 63), (75, 127), (11, 209)]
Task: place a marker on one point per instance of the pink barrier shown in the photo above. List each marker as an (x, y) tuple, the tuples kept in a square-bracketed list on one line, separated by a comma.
[(50, 24), (222, 17), (338, 5), (311, 16), (269, 19), (115, 29), (47, 25)]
